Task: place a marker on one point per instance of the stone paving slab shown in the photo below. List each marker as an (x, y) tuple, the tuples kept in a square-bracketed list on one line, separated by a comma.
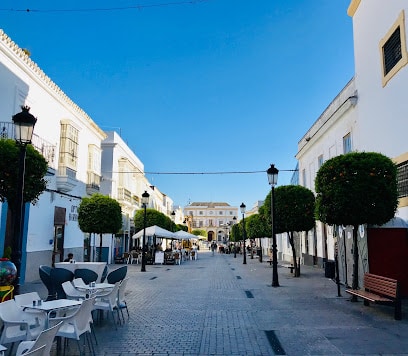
[(216, 305)]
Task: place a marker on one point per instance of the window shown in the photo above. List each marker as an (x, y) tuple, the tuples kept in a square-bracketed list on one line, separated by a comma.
[(201, 213), (402, 179), (347, 143), (393, 49), (68, 155), (220, 213), (304, 177), (319, 161), (94, 167)]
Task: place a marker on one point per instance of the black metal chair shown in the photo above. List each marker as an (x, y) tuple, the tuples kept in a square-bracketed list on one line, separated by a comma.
[(45, 277), (117, 275), (104, 274), (59, 276), (87, 275)]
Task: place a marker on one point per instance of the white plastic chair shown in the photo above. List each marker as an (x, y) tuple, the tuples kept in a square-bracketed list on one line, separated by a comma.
[(27, 299), (78, 282), (77, 324), (108, 302), (17, 324), (121, 301), (37, 352), (72, 292), (45, 338)]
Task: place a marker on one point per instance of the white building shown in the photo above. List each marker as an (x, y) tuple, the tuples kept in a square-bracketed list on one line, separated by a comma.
[(369, 114), (73, 145), (213, 217), (69, 139)]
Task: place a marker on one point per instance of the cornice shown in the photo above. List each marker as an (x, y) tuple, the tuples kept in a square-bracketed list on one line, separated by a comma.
[(353, 7), (22, 57)]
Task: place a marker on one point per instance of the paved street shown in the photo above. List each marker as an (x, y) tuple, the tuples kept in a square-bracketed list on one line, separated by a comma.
[(218, 306)]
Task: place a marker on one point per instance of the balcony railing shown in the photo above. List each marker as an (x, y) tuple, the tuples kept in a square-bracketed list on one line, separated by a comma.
[(124, 195), (46, 148)]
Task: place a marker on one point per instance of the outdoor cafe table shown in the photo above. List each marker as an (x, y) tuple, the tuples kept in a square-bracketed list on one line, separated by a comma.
[(52, 305), (97, 267), (94, 289)]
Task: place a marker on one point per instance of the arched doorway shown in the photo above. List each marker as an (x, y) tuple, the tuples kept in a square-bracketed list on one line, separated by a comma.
[(210, 236)]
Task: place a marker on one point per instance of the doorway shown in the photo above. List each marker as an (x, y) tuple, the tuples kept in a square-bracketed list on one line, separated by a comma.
[(59, 231)]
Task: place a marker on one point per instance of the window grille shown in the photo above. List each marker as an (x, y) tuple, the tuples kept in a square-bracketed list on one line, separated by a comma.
[(392, 51), (402, 179)]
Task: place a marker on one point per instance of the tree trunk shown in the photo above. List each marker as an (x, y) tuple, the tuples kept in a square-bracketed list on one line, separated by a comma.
[(355, 262), (295, 265), (100, 247)]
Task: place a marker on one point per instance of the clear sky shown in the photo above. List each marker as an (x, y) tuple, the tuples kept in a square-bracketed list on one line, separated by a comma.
[(195, 86)]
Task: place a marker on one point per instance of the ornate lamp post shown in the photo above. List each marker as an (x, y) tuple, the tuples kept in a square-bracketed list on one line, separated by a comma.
[(145, 202), (24, 126), (235, 246), (272, 173), (242, 207)]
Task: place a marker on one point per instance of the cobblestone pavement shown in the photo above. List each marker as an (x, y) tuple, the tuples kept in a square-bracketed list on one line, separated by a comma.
[(216, 305)]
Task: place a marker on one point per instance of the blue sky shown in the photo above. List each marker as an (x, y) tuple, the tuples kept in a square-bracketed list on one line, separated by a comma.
[(195, 86)]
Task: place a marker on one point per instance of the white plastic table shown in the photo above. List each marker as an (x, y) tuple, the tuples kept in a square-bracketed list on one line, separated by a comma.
[(52, 305)]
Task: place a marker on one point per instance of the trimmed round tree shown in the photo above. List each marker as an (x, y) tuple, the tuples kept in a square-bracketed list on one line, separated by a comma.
[(99, 214), (355, 189), (257, 227), (294, 211)]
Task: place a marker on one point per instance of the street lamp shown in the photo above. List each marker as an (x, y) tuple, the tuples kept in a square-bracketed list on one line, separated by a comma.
[(272, 173), (242, 207), (235, 247), (145, 202), (173, 218), (24, 124)]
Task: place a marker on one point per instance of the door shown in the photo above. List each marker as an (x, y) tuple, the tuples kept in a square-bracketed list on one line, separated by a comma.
[(59, 229)]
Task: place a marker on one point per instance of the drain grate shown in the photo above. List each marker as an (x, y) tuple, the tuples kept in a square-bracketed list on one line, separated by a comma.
[(153, 278), (249, 294), (239, 277), (274, 342)]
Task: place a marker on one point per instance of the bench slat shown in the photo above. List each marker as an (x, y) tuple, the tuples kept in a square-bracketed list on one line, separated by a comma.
[(367, 295), (380, 289)]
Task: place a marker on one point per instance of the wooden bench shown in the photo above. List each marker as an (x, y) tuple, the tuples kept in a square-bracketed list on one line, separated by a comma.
[(291, 267), (380, 290)]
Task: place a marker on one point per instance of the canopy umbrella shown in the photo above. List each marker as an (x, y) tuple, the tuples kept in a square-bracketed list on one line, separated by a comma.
[(155, 231), (184, 235)]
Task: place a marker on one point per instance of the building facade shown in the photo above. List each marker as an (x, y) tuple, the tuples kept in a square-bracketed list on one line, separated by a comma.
[(82, 160), (369, 115), (215, 218)]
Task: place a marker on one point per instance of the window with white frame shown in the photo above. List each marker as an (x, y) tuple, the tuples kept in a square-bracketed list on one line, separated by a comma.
[(393, 49), (320, 161), (304, 177), (94, 166), (347, 143), (68, 154)]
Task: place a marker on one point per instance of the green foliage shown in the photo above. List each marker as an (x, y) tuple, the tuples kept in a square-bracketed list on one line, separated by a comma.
[(236, 232), (357, 188), (199, 232), (257, 226), (153, 217), (7, 252), (99, 214), (294, 209), (181, 227), (35, 169)]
